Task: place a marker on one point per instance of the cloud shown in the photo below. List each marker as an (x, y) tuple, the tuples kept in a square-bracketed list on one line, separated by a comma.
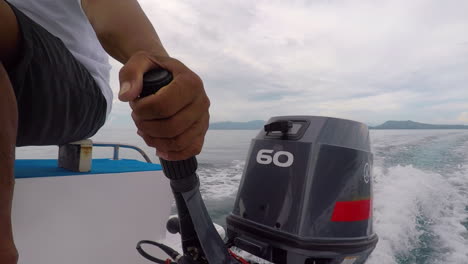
[(366, 60)]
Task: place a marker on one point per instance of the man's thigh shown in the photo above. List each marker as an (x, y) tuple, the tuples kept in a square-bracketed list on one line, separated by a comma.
[(9, 35), (58, 99)]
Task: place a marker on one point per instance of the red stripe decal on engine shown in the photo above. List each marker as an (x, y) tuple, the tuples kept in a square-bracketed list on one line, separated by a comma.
[(350, 211)]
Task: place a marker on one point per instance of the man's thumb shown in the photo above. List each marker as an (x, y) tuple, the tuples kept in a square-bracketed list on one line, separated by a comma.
[(123, 93), (131, 76), (130, 82)]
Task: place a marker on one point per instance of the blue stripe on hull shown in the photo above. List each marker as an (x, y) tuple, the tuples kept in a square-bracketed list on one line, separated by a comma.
[(49, 168)]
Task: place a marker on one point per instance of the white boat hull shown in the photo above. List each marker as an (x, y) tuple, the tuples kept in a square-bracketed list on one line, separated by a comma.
[(89, 219)]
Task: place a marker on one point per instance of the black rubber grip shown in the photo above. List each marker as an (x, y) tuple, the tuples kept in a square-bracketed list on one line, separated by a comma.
[(155, 80), (176, 170)]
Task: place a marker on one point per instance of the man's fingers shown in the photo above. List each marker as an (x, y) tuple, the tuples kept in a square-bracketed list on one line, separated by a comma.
[(183, 146), (176, 124), (180, 142), (193, 150), (170, 99)]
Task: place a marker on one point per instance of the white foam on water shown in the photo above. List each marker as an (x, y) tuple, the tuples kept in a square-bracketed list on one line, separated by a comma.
[(452, 235), (219, 183), (401, 195)]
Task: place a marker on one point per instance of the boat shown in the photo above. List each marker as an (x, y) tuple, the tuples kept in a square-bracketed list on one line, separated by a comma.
[(305, 198)]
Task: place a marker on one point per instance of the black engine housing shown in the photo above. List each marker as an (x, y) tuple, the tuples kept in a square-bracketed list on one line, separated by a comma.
[(306, 193)]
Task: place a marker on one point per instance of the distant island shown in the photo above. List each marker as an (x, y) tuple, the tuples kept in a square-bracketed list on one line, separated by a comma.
[(227, 125), (258, 124), (415, 125)]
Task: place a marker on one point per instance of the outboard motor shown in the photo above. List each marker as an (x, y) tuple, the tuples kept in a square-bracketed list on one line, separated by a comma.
[(306, 193)]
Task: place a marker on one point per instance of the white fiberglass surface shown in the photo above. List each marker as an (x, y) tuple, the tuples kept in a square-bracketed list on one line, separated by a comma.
[(92, 219)]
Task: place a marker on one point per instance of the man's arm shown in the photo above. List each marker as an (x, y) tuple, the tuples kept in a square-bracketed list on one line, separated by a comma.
[(175, 120), (122, 28)]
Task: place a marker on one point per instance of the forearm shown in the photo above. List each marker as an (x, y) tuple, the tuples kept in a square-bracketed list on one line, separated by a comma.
[(122, 28)]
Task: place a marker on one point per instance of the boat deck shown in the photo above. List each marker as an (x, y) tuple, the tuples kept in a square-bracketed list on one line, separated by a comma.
[(29, 168)]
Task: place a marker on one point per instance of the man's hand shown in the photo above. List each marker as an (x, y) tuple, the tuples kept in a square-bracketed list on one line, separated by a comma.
[(175, 119)]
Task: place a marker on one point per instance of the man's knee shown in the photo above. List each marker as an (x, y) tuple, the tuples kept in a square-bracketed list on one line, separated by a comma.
[(9, 34)]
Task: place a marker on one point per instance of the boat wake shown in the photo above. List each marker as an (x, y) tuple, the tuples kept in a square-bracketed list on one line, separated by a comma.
[(420, 216)]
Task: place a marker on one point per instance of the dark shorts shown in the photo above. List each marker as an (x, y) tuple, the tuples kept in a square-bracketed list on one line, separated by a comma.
[(58, 99)]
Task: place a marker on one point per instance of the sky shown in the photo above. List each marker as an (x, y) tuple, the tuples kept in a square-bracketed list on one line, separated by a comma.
[(365, 60)]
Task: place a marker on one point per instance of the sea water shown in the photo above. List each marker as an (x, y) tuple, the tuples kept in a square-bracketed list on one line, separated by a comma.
[(420, 190)]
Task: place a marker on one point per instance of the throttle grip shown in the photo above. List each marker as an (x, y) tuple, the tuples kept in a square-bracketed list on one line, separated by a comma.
[(153, 81)]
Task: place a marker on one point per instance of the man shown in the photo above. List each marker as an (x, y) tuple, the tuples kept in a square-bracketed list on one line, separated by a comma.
[(54, 84)]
